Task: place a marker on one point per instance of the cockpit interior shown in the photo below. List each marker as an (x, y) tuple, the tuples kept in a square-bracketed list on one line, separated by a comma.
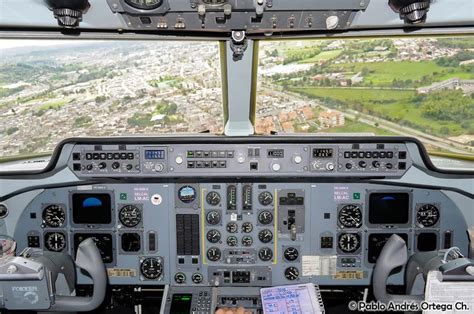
[(236, 156)]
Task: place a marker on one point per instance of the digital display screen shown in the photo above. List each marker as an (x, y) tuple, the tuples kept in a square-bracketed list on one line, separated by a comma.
[(155, 154), (377, 242), (91, 208), (389, 208), (276, 153), (103, 241), (322, 152), (181, 303)]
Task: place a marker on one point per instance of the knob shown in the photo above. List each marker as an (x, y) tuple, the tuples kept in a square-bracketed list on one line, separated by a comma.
[(362, 164), (389, 165), (376, 164), (297, 159), (276, 167), (102, 165), (129, 167), (89, 167), (348, 166), (329, 166), (115, 165), (179, 160), (159, 167)]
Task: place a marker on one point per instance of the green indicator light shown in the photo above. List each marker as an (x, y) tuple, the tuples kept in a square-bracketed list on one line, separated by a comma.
[(123, 196), (356, 196)]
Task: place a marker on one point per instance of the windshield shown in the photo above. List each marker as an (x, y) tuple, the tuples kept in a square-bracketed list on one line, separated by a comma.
[(51, 90), (420, 87)]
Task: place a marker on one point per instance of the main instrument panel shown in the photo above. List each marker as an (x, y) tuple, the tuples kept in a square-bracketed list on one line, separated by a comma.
[(240, 214)]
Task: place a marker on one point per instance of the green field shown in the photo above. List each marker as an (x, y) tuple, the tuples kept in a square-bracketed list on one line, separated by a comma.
[(398, 106), (359, 127), (323, 56), (358, 95), (383, 73), (55, 105)]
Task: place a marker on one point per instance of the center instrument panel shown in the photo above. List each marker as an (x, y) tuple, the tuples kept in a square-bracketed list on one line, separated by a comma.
[(239, 214)]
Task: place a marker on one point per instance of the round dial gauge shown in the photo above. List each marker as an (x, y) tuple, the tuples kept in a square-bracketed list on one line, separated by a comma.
[(247, 241), (291, 254), (144, 4), (213, 254), (187, 194), (292, 273), (151, 268), (213, 236), (54, 216), (265, 236), (350, 216), (232, 241), (213, 217), (265, 198), (232, 227), (427, 215), (247, 227), (349, 242), (213, 198), (197, 278), (265, 217), (180, 278), (130, 216), (265, 254), (55, 241)]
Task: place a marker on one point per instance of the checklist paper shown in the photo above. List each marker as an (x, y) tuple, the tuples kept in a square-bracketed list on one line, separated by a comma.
[(294, 299)]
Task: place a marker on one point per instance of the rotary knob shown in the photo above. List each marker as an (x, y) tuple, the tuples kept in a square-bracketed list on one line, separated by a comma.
[(276, 167)]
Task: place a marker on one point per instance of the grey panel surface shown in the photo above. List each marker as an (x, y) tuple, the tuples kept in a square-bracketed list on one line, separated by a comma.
[(321, 204)]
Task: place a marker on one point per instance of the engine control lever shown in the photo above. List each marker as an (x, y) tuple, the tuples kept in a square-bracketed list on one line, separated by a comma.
[(88, 259), (293, 232)]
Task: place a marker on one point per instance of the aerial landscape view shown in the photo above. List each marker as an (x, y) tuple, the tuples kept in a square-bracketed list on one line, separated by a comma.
[(52, 91)]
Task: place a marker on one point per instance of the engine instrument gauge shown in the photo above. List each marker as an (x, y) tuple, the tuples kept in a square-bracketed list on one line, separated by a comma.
[(180, 278), (427, 215), (291, 254), (247, 227), (131, 242), (292, 273), (232, 227), (151, 268), (265, 236), (349, 242), (350, 216), (54, 216), (187, 194), (213, 217), (197, 278), (213, 236), (213, 254), (247, 241), (144, 4), (213, 198), (265, 217), (130, 216), (265, 254), (55, 241), (265, 198), (232, 241)]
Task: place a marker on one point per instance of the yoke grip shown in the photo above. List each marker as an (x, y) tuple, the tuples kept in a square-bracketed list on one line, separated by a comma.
[(88, 259)]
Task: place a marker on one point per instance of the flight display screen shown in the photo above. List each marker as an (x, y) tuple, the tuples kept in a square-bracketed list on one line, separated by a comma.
[(389, 208), (181, 303), (91, 208), (155, 154)]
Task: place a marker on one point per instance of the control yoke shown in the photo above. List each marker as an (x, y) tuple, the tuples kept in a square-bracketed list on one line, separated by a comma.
[(44, 281), (394, 254)]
